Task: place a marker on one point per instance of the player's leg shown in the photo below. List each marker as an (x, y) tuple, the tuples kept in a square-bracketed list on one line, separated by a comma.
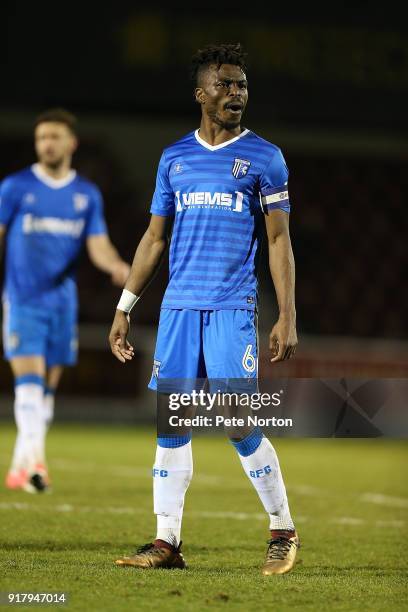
[(54, 374), (172, 472), (28, 372), (24, 332), (61, 350), (230, 350), (260, 462), (177, 365), (52, 378)]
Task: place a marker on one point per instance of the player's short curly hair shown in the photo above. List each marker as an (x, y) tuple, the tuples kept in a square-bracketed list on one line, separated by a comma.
[(58, 115), (217, 54)]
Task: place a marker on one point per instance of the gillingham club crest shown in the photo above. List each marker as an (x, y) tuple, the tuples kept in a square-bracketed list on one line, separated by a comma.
[(240, 167), (80, 201)]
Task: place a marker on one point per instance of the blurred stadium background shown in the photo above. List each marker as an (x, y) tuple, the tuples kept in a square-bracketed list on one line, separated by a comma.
[(330, 91)]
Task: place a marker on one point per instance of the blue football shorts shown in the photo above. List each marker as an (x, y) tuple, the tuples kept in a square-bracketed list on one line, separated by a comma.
[(194, 345), (52, 334)]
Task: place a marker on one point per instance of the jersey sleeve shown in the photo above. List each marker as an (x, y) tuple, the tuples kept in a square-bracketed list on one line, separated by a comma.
[(9, 201), (274, 184), (96, 224), (163, 197)]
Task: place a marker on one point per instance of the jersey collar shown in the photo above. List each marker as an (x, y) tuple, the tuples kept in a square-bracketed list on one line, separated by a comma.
[(219, 146), (52, 182)]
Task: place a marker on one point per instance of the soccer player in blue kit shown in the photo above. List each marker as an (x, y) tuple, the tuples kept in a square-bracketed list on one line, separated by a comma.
[(47, 213), (219, 186)]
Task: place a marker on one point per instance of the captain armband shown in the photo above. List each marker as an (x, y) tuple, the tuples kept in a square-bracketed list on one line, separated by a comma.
[(276, 197)]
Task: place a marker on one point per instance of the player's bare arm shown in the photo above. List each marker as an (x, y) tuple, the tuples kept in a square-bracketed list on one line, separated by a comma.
[(283, 337), (104, 256), (146, 263)]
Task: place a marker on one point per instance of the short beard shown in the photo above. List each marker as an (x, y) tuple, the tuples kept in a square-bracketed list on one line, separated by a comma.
[(54, 165), (226, 125)]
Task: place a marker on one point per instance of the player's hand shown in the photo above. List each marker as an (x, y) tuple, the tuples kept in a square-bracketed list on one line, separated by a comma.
[(283, 339), (120, 347), (120, 273)]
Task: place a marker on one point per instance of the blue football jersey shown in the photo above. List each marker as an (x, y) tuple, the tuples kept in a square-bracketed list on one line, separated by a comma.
[(218, 195), (47, 223)]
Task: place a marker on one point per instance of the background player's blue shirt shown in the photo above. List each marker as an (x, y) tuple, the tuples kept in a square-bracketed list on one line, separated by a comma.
[(47, 223), (218, 195)]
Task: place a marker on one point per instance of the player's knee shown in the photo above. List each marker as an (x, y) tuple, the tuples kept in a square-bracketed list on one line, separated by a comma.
[(28, 365), (174, 441), (248, 444), (174, 457)]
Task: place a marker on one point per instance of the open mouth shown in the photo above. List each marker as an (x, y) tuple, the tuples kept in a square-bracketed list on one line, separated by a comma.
[(234, 107)]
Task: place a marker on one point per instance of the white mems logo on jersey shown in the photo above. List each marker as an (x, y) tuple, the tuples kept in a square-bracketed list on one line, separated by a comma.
[(209, 199), (80, 201), (52, 225)]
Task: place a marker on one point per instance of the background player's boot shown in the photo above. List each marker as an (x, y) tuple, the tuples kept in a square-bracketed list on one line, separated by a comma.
[(42, 470), (281, 553), (38, 481), (16, 479), (158, 554)]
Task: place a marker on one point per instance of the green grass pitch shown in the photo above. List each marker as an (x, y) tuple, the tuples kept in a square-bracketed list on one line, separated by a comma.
[(349, 499)]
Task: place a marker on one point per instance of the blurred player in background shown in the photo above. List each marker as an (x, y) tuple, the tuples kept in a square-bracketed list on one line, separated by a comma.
[(47, 213), (221, 184)]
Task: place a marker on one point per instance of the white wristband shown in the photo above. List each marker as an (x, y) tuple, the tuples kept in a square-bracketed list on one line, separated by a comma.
[(127, 301)]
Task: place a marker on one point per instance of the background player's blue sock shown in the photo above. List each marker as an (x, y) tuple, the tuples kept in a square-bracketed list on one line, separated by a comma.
[(172, 473), (28, 450), (260, 462)]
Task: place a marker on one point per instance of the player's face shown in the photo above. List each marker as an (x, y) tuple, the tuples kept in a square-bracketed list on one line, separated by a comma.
[(223, 94), (54, 143)]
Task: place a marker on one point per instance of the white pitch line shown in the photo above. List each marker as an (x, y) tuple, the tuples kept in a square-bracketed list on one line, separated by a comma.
[(385, 500), (238, 516), (124, 510), (210, 514), (205, 514), (126, 471), (348, 520), (66, 508), (304, 490), (15, 506), (123, 471), (390, 523)]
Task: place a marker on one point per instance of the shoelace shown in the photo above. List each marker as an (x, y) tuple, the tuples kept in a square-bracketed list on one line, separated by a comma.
[(279, 548), (151, 548), (146, 548)]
